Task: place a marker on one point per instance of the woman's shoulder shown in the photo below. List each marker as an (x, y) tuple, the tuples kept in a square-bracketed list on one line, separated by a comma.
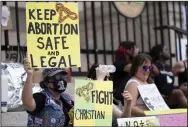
[(67, 96), (39, 97), (39, 94), (132, 81)]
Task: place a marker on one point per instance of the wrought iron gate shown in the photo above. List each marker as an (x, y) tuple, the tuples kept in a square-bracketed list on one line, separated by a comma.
[(102, 28)]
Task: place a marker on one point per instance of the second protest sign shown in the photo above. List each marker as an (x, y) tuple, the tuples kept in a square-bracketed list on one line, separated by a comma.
[(93, 103)]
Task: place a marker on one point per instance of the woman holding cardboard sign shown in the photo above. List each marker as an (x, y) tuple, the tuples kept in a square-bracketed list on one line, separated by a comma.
[(51, 106), (96, 73), (140, 72), (124, 55)]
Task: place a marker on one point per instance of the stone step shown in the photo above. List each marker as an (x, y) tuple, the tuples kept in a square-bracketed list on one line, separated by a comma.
[(18, 119)]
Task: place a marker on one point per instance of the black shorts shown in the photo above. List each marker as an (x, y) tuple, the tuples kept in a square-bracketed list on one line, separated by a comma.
[(167, 91)]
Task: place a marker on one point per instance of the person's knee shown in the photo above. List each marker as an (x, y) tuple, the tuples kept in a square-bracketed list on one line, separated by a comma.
[(178, 93), (184, 88)]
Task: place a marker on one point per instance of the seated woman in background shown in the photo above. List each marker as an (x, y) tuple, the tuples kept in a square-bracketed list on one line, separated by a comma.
[(124, 55), (95, 74), (180, 69), (140, 72), (174, 97)]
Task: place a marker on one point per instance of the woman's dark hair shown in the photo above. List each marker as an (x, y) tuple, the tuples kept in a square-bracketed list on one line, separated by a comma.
[(92, 72), (155, 52), (127, 44), (42, 84), (120, 52), (138, 61)]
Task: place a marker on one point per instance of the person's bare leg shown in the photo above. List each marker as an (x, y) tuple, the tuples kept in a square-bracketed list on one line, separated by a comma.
[(184, 89), (177, 98), (116, 111)]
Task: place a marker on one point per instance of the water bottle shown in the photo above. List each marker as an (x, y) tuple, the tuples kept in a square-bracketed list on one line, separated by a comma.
[(111, 68), (4, 91), (107, 68)]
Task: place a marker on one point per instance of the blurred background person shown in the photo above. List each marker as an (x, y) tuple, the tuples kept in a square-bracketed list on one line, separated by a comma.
[(123, 59), (173, 96), (180, 69), (96, 74)]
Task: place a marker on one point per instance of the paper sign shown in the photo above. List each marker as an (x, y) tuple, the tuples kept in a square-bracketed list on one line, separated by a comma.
[(151, 121), (152, 98), (163, 112), (177, 120), (93, 103), (53, 34)]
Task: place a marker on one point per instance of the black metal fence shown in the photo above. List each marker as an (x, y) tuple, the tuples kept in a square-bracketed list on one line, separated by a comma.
[(102, 28)]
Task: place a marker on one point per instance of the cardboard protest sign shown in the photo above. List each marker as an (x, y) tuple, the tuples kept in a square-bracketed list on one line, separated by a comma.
[(177, 120), (150, 121), (93, 103), (164, 112), (53, 34), (152, 98)]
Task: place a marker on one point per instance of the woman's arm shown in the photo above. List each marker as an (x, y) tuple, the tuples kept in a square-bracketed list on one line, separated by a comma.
[(155, 70), (133, 90), (27, 94), (127, 107), (127, 68), (116, 111), (123, 65)]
